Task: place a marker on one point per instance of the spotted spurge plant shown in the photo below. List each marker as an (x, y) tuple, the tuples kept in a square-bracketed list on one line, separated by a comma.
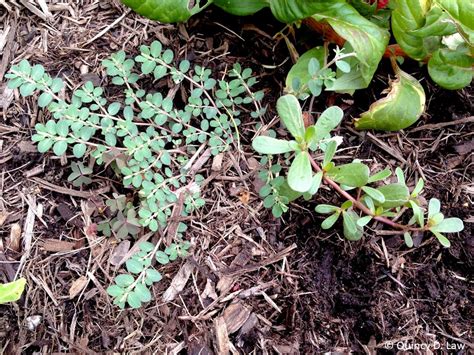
[(150, 139), (367, 198)]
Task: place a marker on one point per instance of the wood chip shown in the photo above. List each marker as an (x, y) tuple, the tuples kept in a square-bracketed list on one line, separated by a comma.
[(77, 286), (119, 253), (235, 315), (178, 282), (222, 336), (15, 237), (55, 245), (217, 162)]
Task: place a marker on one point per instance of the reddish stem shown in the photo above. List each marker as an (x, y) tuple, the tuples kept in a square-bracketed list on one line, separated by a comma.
[(358, 204)]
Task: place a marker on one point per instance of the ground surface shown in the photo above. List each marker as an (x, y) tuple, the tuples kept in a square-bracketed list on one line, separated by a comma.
[(294, 288)]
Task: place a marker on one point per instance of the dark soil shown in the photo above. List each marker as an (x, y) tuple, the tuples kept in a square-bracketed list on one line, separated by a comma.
[(331, 294)]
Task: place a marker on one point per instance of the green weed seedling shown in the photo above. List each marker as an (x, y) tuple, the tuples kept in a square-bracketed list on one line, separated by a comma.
[(146, 137)]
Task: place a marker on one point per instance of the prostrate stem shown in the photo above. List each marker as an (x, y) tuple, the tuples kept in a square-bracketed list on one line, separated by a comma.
[(358, 204)]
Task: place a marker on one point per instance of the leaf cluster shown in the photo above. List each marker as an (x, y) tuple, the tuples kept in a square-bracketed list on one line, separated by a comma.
[(134, 288), (373, 199), (149, 137)]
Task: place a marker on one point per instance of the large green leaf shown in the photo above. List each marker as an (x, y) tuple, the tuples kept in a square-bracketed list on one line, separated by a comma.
[(241, 7), (451, 69), (436, 23), (295, 10), (300, 174), (269, 145), (353, 174), (289, 109), (299, 71), (166, 11), (11, 292), (407, 17), (366, 39), (402, 107), (396, 195), (461, 12)]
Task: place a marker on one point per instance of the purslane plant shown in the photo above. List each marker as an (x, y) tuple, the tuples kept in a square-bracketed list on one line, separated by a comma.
[(367, 198)]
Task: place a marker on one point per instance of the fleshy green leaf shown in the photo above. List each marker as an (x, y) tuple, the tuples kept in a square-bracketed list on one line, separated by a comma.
[(269, 145), (329, 222), (381, 175), (352, 174), (329, 153), (396, 195), (352, 231), (434, 207), (408, 239), (289, 109), (300, 174), (79, 150), (448, 225), (143, 292), (134, 266), (325, 209), (361, 222), (133, 300), (442, 239), (374, 193), (401, 108), (417, 213)]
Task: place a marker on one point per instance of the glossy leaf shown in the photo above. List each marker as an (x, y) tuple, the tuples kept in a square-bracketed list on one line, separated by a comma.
[(461, 12), (451, 69), (352, 174), (300, 174), (329, 222), (407, 17), (434, 207), (367, 40), (401, 108), (396, 195), (166, 11), (241, 7), (352, 231), (375, 194), (289, 109), (269, 145)]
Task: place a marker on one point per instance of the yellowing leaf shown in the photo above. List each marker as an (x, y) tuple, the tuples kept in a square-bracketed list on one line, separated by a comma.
[(12, 291), (402, 107)]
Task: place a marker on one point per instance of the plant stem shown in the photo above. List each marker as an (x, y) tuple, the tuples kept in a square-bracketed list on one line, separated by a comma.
[(358, 204)]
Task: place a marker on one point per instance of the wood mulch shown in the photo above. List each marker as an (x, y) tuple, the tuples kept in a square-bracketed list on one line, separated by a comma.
[(252, 284)]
